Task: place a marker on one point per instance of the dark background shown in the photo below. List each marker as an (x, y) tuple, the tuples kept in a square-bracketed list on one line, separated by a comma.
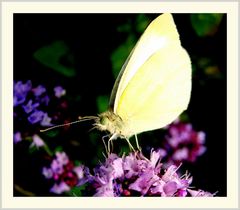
[(92, 42)]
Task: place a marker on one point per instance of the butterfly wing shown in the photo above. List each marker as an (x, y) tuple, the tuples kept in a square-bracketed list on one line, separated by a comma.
[(158, 92), (159, 34)]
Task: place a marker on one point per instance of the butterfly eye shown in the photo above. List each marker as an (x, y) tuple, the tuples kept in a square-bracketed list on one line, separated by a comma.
[(103, 120)]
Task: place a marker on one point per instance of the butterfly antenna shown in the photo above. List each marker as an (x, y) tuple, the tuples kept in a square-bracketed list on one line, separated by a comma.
[(88, 118), (81, 119), (94, 127)]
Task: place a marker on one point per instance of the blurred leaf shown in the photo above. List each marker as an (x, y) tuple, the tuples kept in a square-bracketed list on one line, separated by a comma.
[(77, 191), (94, 138), (51, 56), (194, 68), (203, 62), (102, 103), (51, 133), (209, 67), (58, 149), (206, 24), (32, 149), (214, 72), (47, 150), (123, 145), (74, 143), (121, 53), (184, 117), (142, 23), (77, 162), (124, 27), (23, 191)]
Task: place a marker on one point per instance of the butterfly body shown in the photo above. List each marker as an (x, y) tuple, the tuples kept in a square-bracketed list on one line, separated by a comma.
[(154, 85)]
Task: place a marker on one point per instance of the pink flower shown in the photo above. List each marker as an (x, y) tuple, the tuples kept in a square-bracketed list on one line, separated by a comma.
[(56, 167), (64, 174), (200, 193), (59, 91), (60, 188), (39, 90), (79, 171), (62, 158), (154, 157), (183, 143), (144, 182), (17, 137), (118, 168), (133, 165), (105, 190), (46, 121), (37, 141), (170, 188), (47, 172)]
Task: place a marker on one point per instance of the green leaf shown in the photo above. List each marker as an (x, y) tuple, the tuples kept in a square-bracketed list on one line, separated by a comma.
[(51, 56), (206, 24)]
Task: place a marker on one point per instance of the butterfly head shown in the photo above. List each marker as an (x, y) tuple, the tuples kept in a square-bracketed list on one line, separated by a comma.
[(109, 121)]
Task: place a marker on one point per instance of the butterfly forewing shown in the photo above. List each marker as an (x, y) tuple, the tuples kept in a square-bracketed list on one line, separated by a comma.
[(159, 34)]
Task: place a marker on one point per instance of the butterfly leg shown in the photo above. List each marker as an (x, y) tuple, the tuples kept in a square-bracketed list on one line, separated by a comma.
[(130, 145), (105, 146), (114, 136), (136, 139)]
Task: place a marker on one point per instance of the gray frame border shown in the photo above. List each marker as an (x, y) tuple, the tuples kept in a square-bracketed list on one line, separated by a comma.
[(1, 86)]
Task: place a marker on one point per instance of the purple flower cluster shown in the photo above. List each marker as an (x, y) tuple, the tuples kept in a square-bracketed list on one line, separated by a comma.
[(32, 100), (31, 106), (182, 143), (135, 175), (20, 92), (64, 173)]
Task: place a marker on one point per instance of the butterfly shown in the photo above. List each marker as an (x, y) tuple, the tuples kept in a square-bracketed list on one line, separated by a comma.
[(153, 87)]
